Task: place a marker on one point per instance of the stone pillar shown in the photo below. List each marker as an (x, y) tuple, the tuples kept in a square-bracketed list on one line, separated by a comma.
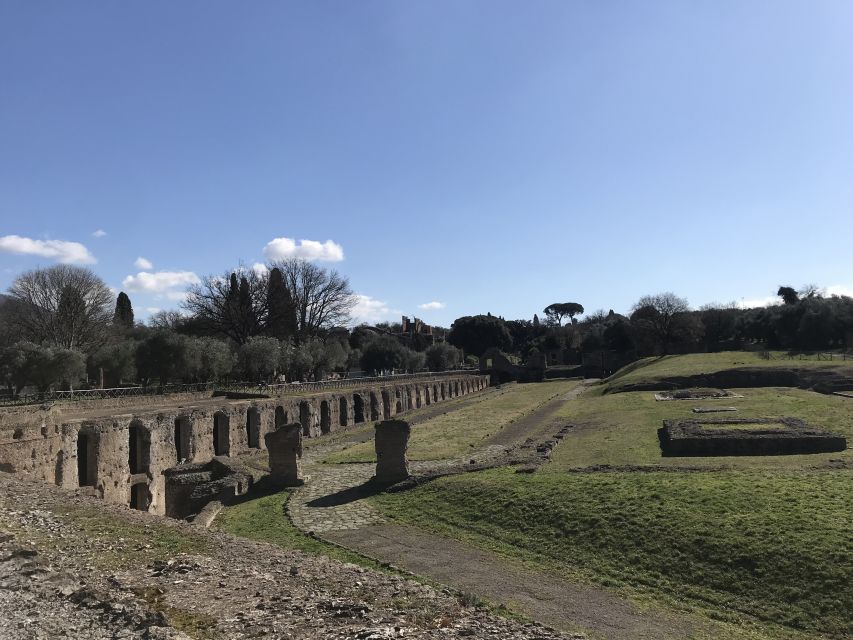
[(392, 441), (285, 454)]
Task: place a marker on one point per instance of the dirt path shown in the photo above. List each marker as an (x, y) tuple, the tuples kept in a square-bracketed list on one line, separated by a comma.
[(333, 504), (543, 597)]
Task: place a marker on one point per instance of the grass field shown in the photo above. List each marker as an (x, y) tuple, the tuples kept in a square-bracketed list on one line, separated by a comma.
[(764, 544), (656, 368), (453, 434), (621, 429), (742, 545)]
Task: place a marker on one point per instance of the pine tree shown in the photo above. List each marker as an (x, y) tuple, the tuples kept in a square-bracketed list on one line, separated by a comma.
[(282, 311), (123, 316), (535, 321)]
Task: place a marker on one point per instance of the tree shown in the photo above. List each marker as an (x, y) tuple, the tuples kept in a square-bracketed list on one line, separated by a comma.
[(229, 306), (123, 316), (559, 310), (662, 315), (281, 322), (162, 356), (382, 354), (322, 299), (475, 334), (414, 361), (789, 295), (42, 366), (259, 357), (117, 360), (442, 357), (61, 306)]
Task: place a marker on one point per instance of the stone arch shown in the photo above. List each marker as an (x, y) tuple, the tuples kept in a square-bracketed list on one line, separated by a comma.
[(456, 388), (386, 404), (253, 428), (374, 406), (443, 391), (398, 406), (182, 439), (138, 448), (305, 418), (427, 395), (87, 458), (221, 434), (358, 408), (418, 397), (140, 496), (325, 417), (409, 399), (343, 412), (435, 393)]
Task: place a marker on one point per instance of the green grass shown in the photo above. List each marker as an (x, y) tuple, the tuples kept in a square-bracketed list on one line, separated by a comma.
[(264, 519), (656, 368), (775, 547), (621, 429), (454, 433)]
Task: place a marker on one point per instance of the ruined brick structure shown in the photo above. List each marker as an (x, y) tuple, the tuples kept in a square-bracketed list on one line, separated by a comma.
[(123, 452)]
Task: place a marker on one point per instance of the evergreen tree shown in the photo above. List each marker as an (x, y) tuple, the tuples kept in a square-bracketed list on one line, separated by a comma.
[(123, 316), (282, 311)]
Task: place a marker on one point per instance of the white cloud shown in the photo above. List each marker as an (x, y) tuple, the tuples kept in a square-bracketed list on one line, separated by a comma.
[(153, 309), (431, 306), (59, 250), (371, 310), (164, 284), (143, 263), (282, 248), (99, 233), (260, 268), (839, 290)]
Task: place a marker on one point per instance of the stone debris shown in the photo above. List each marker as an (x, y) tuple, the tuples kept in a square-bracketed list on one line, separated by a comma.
[(73, 566)]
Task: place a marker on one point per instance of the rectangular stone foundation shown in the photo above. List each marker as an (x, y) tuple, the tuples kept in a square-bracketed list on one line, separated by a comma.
[(784, 436)]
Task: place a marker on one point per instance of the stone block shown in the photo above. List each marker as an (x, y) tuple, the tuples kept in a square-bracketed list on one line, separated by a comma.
[(285, 454), (392, 442)]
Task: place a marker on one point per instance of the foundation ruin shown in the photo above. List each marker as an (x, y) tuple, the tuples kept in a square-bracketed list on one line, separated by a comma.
[(285, 454), (392, 442)]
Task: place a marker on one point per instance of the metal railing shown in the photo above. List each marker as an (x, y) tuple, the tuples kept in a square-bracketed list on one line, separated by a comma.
[(245, 387)]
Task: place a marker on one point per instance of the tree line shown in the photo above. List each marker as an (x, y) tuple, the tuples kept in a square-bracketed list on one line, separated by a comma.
[(61, 327)]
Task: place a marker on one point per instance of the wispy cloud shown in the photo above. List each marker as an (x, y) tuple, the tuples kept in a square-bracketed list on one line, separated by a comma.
[(283, 248), (167, 284), (371, 310), (143, 263), (60, 250), (99, 233), (260, 268), (431, 306)]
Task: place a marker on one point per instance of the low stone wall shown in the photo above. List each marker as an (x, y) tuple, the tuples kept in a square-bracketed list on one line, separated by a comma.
[(784, 436), (115, 454)]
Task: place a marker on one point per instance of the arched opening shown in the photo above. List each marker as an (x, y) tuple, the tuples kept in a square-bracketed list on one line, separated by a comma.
[(417, 398), (443, 391), (398, 407), (358, 408), (221, 435), (253, 428), (280, 417), (87, 459), (182, 440), (139, 449), (140, 497), (456, 388), (374, 407), (343, 412), (435, 393), (325, 417), (427, 397), (409, 401), (305, 418), (386, 404)]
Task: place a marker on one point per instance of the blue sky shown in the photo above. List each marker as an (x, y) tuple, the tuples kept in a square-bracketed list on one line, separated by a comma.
[(488, 156)]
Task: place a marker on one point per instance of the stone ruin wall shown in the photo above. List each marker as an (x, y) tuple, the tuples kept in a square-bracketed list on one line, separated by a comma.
[(123, 456)]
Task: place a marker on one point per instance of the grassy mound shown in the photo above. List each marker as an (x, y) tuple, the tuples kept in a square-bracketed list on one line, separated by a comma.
[(773, 546)]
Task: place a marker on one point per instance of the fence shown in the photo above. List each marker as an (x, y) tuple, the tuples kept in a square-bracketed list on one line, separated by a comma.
[(816, 355), (171, 389)]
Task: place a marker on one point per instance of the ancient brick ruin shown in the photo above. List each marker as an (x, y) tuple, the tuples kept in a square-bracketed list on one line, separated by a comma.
[(391, 443), (124, 452)]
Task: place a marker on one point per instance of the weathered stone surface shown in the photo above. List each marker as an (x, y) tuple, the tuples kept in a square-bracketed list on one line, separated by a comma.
[(392, 442), (285, 454)]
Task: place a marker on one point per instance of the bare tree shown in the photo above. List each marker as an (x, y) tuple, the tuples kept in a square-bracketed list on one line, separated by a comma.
[(62, 306), (233, 305), (661, 314), (323, 299)]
